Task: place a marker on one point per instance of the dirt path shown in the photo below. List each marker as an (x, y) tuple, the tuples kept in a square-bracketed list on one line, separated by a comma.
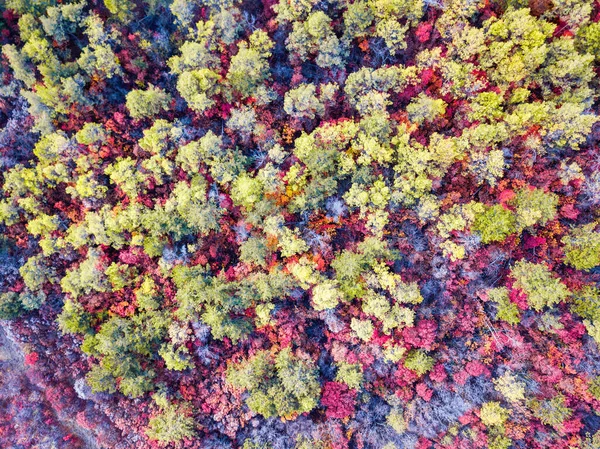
[(12, 364)]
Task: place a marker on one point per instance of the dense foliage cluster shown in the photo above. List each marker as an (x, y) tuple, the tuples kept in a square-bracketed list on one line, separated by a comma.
[(305, 224)]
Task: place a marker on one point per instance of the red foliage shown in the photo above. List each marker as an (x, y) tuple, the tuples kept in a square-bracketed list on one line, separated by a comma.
[(338, 399)]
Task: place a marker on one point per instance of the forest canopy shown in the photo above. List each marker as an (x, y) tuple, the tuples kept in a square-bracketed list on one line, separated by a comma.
[(341, 224)]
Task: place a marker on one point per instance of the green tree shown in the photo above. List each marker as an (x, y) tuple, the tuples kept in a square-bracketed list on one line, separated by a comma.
[(494, 224), (425, 109), (493, 414), (100, 380), (10, 305), (250, 67), (86, 278), (349, 373), (147, 103), (314, 36), (326, 295), (534, 207), (538, 283), (582, 247), (198, 87), (121, 9), (506, 309), (418, 361), (302, 102), (281, 385), (552, 412), (73, 319), (173, 423)]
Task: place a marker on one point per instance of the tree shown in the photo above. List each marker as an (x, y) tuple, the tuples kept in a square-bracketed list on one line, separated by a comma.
[(510, 387), (326, 295), (147, 103), (121, 9), (172, 424), (363, 328), (350, 374), (425, 109), (19, 65), (249, 67), (493, 414), (582, 247), (60, 21), (10, 305), (506, 310), (552, 412), (198, 87), (418, 361), (534, 207), (177, 359), (494, 224), (247, 191), (538, 283), (302, 102), (315, 37), (86, 278), (280, 385)]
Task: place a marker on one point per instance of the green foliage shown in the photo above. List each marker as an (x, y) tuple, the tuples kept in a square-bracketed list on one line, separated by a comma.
[(582, 247), (10, 306), (552, 412), (254, 250), (326, 295), (100, 380), (302, 102), (219, 304), (172, 424), (588, 37), (249, 67), (538, 283), (120, 275), (247, 191), (147, 103), (418, 361), (121, 9), (363, 328), (126, 174), (118, 345), (516, 45), (534, 207), (314, 37), (281, 385), (510, 387), (350, 374), (494, 224), (36, 272), (506, 309), (146, 295), (486, 105), (349, 266), (425, 109), (86, 278), (19, 65), (60, 21), (91, 133), (137, 386), (594, 387), (198, 87), (242, 120), (177, 359), (393, 33), (493, 414), (586, 304), (395, 419)]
